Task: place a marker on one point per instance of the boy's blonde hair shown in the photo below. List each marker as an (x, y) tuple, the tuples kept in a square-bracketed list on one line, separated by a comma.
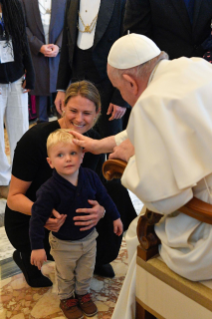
[(60, 135)]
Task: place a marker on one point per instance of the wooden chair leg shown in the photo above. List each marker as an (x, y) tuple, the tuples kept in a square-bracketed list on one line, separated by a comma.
[(141, 313)]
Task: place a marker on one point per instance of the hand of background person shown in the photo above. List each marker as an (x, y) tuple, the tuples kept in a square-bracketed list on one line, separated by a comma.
[(118, 227), (38, 256), (59, 101), (54, 224), (23, 86), (123, 151), (116, 111), (96, 212), (54, 51), (45, 49)]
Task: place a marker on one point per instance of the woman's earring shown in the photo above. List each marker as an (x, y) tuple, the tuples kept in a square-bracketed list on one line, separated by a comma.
[(63, 112)]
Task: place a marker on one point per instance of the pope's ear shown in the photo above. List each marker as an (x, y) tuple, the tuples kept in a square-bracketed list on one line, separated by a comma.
[(49, 162), (131, 82)]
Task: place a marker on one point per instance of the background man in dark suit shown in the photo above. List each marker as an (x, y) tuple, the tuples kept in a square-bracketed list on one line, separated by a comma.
[(45, 20), (177, 27), (91, 27)]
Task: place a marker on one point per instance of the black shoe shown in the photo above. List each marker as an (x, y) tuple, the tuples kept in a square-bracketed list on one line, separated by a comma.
[(32, 274), (105, 270)]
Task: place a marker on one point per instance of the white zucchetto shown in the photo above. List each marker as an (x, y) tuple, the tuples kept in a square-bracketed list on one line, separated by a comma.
[(132, 50)]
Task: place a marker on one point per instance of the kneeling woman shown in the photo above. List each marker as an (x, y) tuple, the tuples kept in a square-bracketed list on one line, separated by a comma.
[(30, 170)]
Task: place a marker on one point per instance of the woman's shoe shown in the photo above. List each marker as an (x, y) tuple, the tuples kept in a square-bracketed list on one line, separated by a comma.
[(105, 270)]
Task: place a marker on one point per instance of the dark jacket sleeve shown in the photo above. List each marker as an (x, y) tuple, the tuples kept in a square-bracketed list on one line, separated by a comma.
[(137, 17), (116, 97), (27, 59), (65, 71), (41, 211), (34, 43)]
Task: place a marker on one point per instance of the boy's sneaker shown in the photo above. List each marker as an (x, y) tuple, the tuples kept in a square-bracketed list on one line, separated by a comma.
[(70, 308), (87, 305)]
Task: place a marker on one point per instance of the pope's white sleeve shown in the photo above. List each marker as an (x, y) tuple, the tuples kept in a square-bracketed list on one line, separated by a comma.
[(131, 180), (120, 137), (171, 204)]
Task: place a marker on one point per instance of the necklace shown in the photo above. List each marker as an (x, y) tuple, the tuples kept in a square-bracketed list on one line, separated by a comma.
[(89, 27), (47, 11)]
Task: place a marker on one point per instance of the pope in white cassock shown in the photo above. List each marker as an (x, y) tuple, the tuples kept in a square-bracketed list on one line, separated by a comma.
[(168, 146)]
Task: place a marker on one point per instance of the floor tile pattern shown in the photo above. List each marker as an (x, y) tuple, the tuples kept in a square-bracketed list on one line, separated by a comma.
[(19, 301)]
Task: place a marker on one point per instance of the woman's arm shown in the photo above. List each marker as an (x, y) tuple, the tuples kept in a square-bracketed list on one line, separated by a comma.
[(16, 198), (17, 201)]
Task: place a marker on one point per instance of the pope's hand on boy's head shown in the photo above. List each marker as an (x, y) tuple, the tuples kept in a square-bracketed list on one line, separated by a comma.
[(87, 143)]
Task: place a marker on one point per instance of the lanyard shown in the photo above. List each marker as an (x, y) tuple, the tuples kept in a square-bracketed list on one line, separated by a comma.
[(2, 24)]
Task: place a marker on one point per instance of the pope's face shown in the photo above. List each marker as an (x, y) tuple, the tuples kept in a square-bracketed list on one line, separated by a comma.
[(122, 85)]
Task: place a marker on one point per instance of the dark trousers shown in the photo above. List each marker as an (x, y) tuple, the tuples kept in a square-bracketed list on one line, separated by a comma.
[(41, 108)]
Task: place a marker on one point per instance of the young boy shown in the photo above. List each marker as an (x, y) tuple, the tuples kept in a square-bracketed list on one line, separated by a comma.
[(74, 251)]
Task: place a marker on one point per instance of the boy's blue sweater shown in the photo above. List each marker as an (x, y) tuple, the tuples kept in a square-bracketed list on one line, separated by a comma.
[(60, 194)]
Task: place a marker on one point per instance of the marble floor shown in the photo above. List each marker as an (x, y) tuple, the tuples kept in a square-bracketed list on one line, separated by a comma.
[(19, 301)]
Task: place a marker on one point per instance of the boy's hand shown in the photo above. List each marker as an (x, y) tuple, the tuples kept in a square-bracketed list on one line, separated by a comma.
[(54, 224), (38, 257), (118, 227)]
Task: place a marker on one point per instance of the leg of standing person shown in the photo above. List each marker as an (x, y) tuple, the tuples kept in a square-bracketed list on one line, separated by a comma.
[(41, 108), (16, 115), (51, 107), (5, 167)]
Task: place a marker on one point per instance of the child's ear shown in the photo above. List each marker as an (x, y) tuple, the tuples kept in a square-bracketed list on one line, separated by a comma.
[(49, 162)]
